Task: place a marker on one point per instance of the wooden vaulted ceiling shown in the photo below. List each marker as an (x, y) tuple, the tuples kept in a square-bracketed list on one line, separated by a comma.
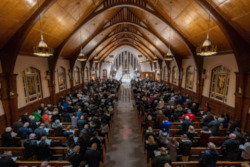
[(105, 26)]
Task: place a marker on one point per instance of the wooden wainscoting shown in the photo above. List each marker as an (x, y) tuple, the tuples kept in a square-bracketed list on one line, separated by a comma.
[(218, 108), (30, 108)]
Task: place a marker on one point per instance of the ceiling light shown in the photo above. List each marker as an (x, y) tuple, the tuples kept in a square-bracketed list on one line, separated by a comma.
[(81, 56), (169, 56), (207, 49), (96, 60), (42, 49)]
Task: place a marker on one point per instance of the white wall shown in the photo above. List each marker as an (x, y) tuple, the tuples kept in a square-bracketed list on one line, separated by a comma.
[(229, 62), (186, 63), (24, 62), (66, 65)]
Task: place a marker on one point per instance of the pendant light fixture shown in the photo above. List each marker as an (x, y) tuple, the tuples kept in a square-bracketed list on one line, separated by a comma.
[(42, 49), (155, 59), (96, 60), (207, 49), (169, 56), (81, 56)]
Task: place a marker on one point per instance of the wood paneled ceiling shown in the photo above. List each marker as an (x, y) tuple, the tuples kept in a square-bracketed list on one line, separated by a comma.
[(100, 20)]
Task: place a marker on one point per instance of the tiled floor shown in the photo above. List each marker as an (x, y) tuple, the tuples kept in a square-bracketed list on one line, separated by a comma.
[(125, 147)]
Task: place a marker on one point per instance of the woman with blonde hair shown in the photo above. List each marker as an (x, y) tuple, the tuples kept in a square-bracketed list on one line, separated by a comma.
[(151, 147)]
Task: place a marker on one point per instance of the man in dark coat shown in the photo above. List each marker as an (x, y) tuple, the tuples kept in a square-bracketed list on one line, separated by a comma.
[(7, 139), (6, 160), (164, 158), (93, 156), (30, 146), (24, 131), (210, 157), (231, 148), (185, 124), (214, 126)]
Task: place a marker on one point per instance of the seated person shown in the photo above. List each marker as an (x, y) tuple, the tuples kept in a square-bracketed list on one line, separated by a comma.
[(162, 159), (43, 150), (58, 129), (40, 131), (24, 131), (6, 160), (7, 139), (30, 146)]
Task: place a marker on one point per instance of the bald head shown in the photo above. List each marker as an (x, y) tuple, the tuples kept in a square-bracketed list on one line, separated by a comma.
[(232, 136), (94, 146)]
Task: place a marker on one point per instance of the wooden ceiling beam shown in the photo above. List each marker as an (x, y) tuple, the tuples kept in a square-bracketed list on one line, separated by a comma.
[(121, 44), (108, 5), (138, 47), (122, 38), (11, 50)]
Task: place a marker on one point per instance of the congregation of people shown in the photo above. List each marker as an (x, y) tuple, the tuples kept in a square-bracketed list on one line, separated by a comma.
[(87, 111), (161, 108)]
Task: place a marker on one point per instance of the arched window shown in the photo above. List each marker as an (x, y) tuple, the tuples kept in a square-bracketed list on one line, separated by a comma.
[(190, 77), (32, 84), (165, 73), (77, 75), (104, 74), (219, 83), (61, 73), (174, 75)]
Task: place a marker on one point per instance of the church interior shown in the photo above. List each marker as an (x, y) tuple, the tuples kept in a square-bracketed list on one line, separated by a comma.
[(119, 72)]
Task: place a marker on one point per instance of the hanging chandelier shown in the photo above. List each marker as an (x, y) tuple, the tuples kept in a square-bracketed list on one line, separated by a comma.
[(169, 56), (155, 59), (96, 60), (42, 49), (148, 61), (81, 56), (207, 49)]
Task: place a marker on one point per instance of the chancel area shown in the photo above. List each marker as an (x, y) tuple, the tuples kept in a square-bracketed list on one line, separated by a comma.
[(124, 83)]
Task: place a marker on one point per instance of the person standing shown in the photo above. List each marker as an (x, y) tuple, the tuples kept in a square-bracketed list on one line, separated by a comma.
[(231, 148), (166, 125), (210, 157), (93, 156), (162, 159)]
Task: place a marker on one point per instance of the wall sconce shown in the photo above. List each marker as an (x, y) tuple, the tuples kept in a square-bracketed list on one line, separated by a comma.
[(47, 77), (12, 93), (70, 74), (204, 76), (240, 91)]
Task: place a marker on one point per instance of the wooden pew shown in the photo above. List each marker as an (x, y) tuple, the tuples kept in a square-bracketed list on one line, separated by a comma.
[(51, 163), (217, 140), (196, 163), (19, 151), (38, 163), (174, 132)]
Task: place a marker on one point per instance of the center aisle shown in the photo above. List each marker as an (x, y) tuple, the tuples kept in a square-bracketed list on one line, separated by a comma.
[(125, 147)]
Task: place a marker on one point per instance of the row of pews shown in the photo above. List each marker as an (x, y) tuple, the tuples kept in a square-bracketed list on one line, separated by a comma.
[(58, 153), (196, 152)]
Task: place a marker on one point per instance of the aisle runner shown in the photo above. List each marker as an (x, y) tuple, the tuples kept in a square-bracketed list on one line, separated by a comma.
[(125, 146)]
